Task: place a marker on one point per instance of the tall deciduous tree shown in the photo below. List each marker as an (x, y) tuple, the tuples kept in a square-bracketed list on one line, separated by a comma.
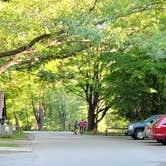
[(137, 77), (84, 76)]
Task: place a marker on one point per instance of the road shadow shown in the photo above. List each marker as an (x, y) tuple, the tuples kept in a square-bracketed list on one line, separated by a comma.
[(153, 143), (162, 163), (146, 142)]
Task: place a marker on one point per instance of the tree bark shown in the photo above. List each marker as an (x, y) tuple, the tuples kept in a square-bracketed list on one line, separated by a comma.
[(91, 119), (16, 121), (39, 114)]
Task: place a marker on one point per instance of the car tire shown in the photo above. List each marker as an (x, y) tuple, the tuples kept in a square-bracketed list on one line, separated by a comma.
[(133, 136), (159, 141), (164, 141), (139, 134)]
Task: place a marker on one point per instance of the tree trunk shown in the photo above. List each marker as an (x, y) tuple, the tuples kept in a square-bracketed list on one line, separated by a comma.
[(91, 119), (16, 121), (39, 115)]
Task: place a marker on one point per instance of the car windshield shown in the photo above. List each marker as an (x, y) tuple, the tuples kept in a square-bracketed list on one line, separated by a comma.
[(152, 119), (155, 121)]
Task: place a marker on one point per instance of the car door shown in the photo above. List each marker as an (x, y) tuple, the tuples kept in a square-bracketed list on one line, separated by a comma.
[(163, 127)]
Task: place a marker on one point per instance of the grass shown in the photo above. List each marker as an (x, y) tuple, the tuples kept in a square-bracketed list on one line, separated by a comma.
[(15, 136), (8, 145), (19, 136), (7, 142)]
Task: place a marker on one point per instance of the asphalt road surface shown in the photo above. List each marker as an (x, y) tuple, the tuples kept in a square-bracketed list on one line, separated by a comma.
[(65, 149)]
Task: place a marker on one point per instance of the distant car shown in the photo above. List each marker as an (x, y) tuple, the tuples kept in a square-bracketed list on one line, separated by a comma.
[(136, 130), (158, 130)]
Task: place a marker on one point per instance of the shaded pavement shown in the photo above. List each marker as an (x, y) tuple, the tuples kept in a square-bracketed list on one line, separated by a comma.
[(64, 149)]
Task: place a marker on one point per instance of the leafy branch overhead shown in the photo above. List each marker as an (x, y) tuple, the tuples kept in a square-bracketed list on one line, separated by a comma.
[(26, 49)]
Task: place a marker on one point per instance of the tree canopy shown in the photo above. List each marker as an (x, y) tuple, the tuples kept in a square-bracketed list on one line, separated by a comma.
[(110, 53)]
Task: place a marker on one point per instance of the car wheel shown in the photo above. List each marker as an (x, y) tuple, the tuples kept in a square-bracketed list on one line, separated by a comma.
[(164, 141), (133, 136), (139, 134), (159, 141)]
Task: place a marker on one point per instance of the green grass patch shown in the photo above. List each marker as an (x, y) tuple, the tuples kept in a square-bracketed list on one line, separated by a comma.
[(8, 142), (94, 133), (19, 136), (8, 145), (16, 136)]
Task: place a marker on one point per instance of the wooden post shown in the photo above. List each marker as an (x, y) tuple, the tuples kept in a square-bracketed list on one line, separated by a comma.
[(106, 131), (2, 107)]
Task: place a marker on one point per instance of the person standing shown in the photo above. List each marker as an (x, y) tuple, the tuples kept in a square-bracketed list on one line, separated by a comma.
[(75, 130), (81, 126), (85, 125)]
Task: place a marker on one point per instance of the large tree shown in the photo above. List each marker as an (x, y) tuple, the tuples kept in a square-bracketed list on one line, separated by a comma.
[(84, 77), (137, 76)]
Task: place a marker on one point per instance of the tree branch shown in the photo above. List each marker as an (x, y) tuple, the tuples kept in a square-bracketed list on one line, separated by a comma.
[(93, 7), (103, 114), (132, 11), (25, 47), (15, 59), (76, 92), (50, 57), (138, 10), (9, 63)]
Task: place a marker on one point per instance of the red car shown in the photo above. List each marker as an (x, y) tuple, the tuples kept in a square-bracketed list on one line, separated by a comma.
[(158, 130)]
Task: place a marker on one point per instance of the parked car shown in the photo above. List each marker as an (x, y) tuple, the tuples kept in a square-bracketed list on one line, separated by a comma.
[(148, 131), (136, 130), (148, 128), (158, 130)]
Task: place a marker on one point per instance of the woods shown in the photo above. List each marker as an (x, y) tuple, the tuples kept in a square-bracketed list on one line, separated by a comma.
[(67, 60)]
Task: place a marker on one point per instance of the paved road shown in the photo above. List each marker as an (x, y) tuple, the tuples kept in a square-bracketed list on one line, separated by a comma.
[(64, 149)]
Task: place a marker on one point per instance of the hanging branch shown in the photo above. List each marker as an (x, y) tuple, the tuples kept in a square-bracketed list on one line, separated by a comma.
[(93, 7), (9, 63), (15, 59), (139, 9), (36, 60), (104, 111), (146, 7), (25, 47)]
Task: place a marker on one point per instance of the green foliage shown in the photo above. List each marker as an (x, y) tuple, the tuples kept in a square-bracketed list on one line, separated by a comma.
[(62, 110), (46, 76), (123, 41), (137, 84), (15, 136), (114, 120)]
